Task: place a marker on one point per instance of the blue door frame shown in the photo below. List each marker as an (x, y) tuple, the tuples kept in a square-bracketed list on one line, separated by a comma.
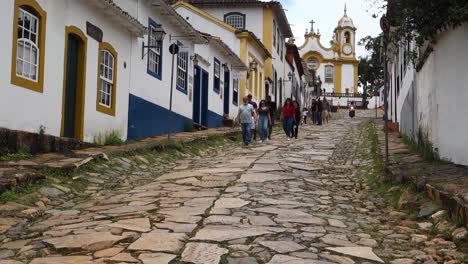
[(200, 96), (204, 98), (196, 95), (227, 91)]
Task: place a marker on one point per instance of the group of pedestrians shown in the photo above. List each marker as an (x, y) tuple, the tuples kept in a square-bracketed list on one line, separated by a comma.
[(252, 115), (319, 111)]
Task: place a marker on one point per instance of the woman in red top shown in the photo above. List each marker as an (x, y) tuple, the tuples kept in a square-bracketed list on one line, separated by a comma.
[(288, 117)]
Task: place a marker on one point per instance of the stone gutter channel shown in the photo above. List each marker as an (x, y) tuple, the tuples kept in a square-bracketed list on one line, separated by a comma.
[(23, 172), (443, 183)]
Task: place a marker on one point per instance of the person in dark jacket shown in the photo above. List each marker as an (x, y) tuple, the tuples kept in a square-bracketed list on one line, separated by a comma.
[(314, 111), (319, 111), (272, 106), (297, 120)]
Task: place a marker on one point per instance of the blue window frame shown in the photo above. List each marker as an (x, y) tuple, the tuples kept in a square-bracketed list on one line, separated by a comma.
[(154, 66), (217, 75), (182, 70)]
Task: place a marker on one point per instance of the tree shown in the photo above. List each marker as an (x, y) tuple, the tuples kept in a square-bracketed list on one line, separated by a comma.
[(371, 72)]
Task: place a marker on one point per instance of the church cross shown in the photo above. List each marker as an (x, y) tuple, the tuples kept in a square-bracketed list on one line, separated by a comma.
[(312, 22)]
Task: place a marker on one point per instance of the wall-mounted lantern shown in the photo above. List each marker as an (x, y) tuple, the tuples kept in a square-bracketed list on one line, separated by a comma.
[(159, 35)]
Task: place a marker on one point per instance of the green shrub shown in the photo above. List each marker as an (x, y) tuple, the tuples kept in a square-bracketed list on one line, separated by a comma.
[(9, 156), (112, 138)]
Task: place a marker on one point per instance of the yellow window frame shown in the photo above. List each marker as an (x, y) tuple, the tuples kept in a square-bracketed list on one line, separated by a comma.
[(101, 108), (37, 86)]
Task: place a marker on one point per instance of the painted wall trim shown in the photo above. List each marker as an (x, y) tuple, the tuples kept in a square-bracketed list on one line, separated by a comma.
[(204, 15)]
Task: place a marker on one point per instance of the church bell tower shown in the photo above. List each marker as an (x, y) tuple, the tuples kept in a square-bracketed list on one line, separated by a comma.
[(345, 37)]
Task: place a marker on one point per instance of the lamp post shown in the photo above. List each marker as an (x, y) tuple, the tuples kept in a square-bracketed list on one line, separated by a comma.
[(173, 49), (385, 25)]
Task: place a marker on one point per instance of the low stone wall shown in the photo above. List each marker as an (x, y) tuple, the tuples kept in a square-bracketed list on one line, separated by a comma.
[(21, 141), (444, 183)]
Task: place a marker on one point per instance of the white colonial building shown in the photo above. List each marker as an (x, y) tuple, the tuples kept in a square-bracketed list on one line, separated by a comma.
[(94, 67), (336, 66), (262, 28), (66, 66), (244, 44)]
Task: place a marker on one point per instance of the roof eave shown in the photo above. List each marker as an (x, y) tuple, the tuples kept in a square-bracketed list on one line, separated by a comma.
[(125, 19), (178, 21)]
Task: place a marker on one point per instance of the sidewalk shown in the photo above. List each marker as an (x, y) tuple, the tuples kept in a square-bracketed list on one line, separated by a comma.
[(14, 173), (444, 182)]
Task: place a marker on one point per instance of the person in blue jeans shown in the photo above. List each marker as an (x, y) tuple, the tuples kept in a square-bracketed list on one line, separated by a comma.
[(244, 117), (288, 116), (263, 120)]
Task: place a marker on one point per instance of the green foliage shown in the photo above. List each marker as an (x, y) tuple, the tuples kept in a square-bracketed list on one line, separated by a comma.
[(371, 72), (422, 20), (112, 138), (424, 148), (9, 156)]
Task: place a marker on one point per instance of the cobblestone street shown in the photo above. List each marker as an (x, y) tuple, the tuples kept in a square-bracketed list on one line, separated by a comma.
[(300, 201)]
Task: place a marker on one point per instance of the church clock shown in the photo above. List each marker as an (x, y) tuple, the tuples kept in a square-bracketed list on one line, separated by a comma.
[(347, 49), (313, 64)]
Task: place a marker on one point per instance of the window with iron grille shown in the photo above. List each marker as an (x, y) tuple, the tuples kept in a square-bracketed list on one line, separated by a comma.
[(182, 66), (235, 19), (329, 74)]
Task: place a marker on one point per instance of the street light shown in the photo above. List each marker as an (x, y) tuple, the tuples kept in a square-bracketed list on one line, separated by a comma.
[(253, 66)]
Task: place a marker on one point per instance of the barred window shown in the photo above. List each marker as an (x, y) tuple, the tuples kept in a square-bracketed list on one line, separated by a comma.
[(236, 20), (154, 54), (182, 66), (329, 74), (27, 56), (106, 78)]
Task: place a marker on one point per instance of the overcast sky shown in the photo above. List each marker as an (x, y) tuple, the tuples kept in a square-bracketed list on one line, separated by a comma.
[(326, 14)]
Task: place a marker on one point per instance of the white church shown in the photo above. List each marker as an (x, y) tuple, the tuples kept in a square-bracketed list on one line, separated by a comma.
[(335, 66)]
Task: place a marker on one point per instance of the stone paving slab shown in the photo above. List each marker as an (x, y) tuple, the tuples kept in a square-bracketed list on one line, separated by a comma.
[(204, 209)]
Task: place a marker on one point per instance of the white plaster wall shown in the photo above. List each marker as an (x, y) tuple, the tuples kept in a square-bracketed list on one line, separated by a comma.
[(313, 45), (450, 78), (426, 98), (328, 86), (347, 78), (216, 100), (405, 87), (97, 122), (26, 110), (253, 17), (204, 25)]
